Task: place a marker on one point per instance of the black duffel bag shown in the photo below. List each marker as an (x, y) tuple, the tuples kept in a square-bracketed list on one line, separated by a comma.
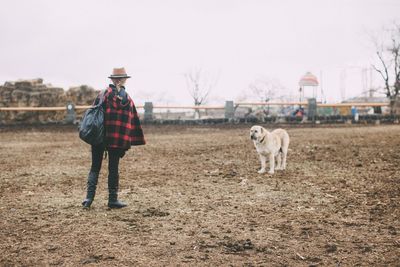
[(91, 128)]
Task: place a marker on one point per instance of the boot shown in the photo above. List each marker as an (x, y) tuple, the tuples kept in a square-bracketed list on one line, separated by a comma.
[(113, 202), (91, 189)]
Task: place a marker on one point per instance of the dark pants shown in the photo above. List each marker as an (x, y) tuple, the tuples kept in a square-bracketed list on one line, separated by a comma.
[(113, 178), (113, 160)]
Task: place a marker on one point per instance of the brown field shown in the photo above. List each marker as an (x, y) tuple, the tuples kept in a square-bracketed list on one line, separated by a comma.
[(195, 199)]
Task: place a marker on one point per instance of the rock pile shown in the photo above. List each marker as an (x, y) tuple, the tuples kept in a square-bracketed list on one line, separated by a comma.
[(34, 93)]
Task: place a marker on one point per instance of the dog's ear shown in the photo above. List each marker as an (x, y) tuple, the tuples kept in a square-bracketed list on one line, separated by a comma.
[(262, 130)]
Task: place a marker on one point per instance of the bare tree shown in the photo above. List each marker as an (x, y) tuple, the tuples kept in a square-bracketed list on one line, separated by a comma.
[(265, 89), (199, 85), (388, 53)]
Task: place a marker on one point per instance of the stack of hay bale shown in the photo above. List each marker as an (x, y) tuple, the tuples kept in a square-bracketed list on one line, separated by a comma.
[(34, 93)]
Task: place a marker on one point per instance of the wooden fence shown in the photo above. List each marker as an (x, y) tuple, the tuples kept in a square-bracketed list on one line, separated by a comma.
[(206, 107)]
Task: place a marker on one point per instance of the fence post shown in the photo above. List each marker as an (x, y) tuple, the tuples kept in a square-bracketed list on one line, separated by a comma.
[(148, 111), (71, 114), (312, 109), (229, 110)]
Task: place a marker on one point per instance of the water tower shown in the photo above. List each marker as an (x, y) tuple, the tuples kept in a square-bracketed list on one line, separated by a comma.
[(308, 86)]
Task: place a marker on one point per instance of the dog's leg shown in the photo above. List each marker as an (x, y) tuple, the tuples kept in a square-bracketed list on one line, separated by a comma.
[(284, 153), (263, 159), (279, 161), (271, 163)]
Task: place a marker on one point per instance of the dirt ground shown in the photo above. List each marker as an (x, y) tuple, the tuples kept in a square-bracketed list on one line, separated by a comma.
[(195, 199)]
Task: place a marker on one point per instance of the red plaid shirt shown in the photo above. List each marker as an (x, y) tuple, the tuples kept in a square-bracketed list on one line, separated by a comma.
[(121, 122)]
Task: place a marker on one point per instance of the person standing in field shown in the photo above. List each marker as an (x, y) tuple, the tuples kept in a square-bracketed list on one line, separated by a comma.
[(123, 130)]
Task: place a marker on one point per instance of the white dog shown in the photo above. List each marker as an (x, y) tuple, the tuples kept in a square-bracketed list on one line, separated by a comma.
[(270, 144)]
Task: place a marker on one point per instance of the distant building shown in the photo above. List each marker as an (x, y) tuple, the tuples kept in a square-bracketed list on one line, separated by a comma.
[(369, 99), (308, 87)]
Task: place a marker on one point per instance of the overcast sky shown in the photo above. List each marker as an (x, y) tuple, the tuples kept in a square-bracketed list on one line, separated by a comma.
[(71, 42)]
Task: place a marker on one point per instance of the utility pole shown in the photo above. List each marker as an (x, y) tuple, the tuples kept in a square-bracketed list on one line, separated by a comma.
[(343, 84)]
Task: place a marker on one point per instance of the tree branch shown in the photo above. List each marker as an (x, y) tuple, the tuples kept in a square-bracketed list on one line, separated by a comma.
[(384, 76)]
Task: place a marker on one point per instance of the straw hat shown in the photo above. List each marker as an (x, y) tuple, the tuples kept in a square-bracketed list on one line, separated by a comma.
[(119, 73)]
